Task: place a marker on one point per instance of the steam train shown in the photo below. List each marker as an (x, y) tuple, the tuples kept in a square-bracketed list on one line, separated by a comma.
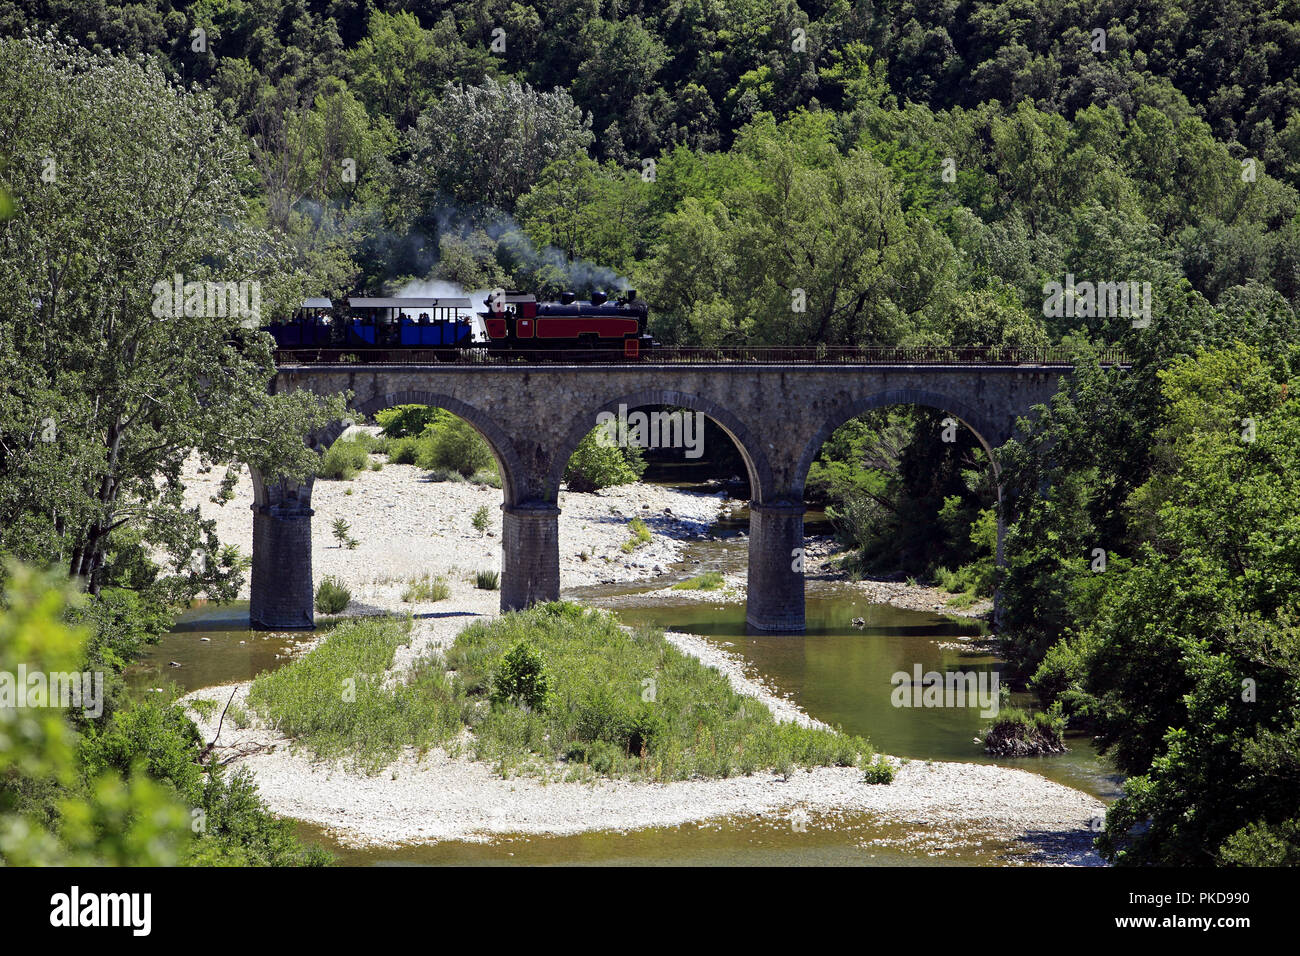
[(512, 324)]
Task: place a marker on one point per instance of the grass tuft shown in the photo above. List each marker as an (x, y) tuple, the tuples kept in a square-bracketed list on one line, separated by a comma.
[(426, 589), (708, 581), (332, 596)]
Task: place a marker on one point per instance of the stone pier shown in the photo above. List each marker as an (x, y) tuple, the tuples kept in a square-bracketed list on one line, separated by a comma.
[(776, 599), (530, 555), (281, 596)]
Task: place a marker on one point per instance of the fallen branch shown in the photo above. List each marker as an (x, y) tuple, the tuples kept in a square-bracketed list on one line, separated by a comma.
[(208, 749)]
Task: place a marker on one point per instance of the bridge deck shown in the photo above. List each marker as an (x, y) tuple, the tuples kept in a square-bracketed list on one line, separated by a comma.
[(882, 357)]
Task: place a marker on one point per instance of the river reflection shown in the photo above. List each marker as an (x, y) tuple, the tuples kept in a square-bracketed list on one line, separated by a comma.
[(213, 645)]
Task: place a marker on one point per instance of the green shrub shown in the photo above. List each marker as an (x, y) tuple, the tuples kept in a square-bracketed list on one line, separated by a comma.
[(160, 738), (521, 678), (426, 589), (344, 459), (556, 682), (332, 597), (403, 451), (452, 444), (405, 421), (371, 443), (878, 770), (1060, 677), (482, 517), (487, 580), (439, 442), (640, 536), (340, 530), (627, 703), (1017, 733), (596, 464)]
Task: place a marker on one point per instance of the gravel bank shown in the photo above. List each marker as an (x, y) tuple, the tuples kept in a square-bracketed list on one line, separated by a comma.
[(406, 525)]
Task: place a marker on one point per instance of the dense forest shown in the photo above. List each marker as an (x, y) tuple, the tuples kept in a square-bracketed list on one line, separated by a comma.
[(764, 172)]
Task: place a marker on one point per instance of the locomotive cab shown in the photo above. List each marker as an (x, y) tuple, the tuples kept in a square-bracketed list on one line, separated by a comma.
[(569, 323)]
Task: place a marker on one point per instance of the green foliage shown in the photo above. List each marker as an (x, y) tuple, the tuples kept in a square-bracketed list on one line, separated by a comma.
[(104, 423), (1195, 639), (908, 501), (640, 536), (973, 580), (345, 458), (157, 738), (878, 770), (482, 518), (452, 444), (239, 831), (521, 679), (553, 683), (122, 791), (120, 623), (1170, 654), (403, 451), (405, 421), (598, 463), (489, 141), (487, 580), (332, 596), (340, 529), (819, 172)]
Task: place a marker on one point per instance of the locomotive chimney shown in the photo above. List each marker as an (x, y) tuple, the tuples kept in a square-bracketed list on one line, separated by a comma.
[(629, 295)]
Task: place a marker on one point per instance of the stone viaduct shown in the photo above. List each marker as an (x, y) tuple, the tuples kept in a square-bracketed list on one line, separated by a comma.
[(534, 416)]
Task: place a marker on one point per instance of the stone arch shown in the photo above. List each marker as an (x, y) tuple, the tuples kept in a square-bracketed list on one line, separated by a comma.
[(751, 451), (986, 433), (513, 472)]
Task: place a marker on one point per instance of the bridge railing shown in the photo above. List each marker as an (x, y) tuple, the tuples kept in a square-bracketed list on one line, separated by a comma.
[(673, 355)]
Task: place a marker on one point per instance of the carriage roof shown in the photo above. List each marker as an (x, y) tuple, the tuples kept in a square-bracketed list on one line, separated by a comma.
[(390, 303)]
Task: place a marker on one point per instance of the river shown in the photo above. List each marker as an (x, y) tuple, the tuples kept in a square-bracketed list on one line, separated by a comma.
[(837, 672)]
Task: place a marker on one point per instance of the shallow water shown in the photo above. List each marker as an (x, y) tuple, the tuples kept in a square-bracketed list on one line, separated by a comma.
[(847, 840), (214, 645)]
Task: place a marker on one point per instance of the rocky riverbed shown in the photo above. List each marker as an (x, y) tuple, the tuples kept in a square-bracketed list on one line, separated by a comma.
[(406, 526)]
